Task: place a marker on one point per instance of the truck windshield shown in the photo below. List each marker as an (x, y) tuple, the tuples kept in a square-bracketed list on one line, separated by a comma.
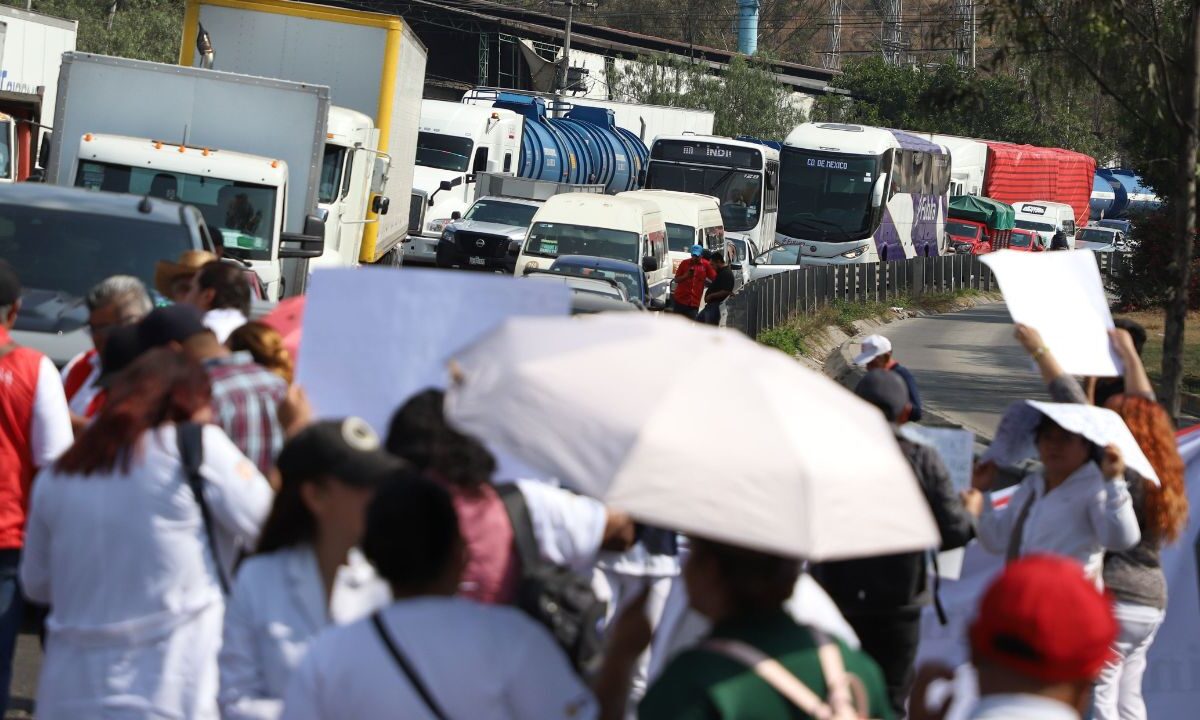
[(1019, 240), (554, 239), (332, 166), (1030, 225), (244, 213), (6, 154), (443, 152), (739, 191), (1100, 237), (680, 238), (68, 252), (962, 229), (502, 213), (826, 196)]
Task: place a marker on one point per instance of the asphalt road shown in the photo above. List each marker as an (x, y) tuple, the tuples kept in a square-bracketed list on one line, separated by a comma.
[(967, 364)]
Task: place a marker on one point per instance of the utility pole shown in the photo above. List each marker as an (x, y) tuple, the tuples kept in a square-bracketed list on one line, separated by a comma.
[(832, 60), (891, 40), (964, 12), (561, 76)]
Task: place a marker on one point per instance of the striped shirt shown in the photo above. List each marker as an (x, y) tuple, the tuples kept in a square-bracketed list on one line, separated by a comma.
[(245, 399)]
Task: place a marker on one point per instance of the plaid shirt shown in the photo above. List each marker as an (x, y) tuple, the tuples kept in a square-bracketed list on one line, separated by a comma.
[(245, 399)]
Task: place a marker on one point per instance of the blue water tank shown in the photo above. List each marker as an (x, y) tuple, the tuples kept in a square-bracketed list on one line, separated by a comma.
[(1139, 197), (1117, 193), (775, 144)]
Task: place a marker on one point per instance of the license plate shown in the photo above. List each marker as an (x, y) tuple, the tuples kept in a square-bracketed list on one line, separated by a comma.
[(476, 261)]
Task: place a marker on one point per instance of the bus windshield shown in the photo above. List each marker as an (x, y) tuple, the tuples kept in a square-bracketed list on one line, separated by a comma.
[(739, 191), (825, 196), (443, 152), (555, 239), (244, 213)]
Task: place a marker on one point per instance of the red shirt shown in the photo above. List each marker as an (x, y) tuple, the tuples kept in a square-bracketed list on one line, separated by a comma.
[(18, 389), (690, 279)]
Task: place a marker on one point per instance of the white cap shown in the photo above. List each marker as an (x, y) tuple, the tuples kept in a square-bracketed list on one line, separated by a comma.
[(872, 347)]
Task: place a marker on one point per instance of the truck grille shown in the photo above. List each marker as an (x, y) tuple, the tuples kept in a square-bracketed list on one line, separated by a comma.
[(481, 245), (416, 213)]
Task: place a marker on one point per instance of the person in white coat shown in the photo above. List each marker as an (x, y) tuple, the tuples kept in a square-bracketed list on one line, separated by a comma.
[(117, 546), (307, 573), (431, 654)]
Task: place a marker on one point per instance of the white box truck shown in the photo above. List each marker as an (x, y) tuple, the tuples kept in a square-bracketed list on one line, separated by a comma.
[(245, 151), (31, 48), (374, 65)]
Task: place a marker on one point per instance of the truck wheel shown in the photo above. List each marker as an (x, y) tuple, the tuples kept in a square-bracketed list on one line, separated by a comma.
[(391, 258)]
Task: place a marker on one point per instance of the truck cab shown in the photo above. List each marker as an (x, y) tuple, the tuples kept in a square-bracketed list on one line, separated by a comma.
[(456, 141), (352, 174), (240, 196), (967, 237)]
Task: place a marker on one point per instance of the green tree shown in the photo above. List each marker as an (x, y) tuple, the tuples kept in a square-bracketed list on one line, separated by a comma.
[(745, 100), (141, 29)]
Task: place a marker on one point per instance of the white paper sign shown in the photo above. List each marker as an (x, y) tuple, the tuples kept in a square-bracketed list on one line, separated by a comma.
[(373, 337), (955, 447), (1061, 295)]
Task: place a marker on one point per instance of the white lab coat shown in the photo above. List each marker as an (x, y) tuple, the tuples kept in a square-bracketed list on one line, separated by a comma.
[(477, 661), (276, 608), (122, 560)]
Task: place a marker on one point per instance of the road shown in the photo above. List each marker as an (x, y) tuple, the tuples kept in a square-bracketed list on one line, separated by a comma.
[(967, 364)]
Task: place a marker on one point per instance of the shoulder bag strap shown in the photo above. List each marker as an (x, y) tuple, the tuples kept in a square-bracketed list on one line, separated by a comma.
[(191, 453), (1014, 540), (522, 525), (846, 698), (406, 668), (773, 673)]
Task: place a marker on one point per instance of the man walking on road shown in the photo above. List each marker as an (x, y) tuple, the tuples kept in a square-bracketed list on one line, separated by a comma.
[(721, 288), (876, 354), (35, 428), (690, 278)]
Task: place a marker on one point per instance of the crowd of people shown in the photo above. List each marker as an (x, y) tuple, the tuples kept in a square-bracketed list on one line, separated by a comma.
[(195, 544)]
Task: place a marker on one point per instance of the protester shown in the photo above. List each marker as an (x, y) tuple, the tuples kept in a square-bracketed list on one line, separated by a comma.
[(265, 345), (114, 302), (126, 557), (1128, 339), (1059, 241), (1038, 642), (1090, 509), (35, 428), (743, 592), (431, 654), (173, 280), (569, 529), (690, 278), (882, 597), (720, 289), (876, 354), (307, 573), (222, 293), (245, 396)]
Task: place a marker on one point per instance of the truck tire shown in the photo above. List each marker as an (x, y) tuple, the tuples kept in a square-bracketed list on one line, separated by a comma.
[(391, 258)]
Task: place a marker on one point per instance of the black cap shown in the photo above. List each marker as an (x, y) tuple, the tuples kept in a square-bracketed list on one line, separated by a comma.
[(174, 323), (885, 390), (10, 285), (347, 449), (121, 349)]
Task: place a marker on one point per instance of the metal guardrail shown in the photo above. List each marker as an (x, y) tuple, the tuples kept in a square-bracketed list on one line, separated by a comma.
[(770, 301)]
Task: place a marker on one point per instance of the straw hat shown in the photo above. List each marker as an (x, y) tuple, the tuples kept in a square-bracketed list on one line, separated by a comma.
[(167, 272)]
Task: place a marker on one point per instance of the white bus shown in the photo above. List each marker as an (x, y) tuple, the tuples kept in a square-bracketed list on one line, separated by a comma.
[(859, 194), (742, 176)]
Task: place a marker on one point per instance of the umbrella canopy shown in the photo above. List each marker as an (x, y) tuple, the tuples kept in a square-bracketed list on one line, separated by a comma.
[(696, 429), (287, 318)]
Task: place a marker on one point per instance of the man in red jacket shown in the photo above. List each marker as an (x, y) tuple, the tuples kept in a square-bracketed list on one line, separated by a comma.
[(690, 278), (35, 428)]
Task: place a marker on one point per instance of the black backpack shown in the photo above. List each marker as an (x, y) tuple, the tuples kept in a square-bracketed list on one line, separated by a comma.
[(553, 595)]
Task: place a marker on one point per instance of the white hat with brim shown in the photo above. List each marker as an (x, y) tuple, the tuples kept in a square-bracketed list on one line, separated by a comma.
[(872, 347)]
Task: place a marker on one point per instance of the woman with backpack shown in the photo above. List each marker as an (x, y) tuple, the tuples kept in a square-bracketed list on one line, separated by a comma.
[(122, 550)]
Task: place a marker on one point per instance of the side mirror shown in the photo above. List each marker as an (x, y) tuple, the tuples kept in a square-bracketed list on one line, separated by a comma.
[(305, 245), (448, 184), (380, 204), (379, 174), (470, 178), (43, 153), (649, 264), (641, 177), (881, 186)]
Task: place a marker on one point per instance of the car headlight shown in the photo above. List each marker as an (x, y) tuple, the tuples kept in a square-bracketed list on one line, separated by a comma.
[(856, 252), (436, 226)]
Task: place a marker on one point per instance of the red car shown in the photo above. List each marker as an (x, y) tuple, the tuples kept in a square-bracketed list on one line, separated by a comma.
[(967, 237), (1025, 241)]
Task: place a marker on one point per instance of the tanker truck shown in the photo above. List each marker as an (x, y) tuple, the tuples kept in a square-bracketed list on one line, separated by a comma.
[(516, 136), (1118, 193)]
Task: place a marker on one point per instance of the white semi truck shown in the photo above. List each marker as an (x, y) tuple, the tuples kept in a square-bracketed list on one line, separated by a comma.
[(245, 151), (374, 66)]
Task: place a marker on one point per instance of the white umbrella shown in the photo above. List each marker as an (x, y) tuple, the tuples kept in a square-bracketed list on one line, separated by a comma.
[(696, 429)]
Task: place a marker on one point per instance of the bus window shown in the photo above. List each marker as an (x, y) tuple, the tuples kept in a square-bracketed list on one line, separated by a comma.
[(772, 189)]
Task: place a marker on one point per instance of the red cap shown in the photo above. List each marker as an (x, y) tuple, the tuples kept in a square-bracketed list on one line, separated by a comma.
[(1042, 618)]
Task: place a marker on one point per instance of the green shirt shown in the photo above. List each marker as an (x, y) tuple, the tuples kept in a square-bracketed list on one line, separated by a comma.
[(702, 684)]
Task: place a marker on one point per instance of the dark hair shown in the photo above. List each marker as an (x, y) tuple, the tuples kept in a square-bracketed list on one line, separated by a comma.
[(412, 531), (1135, 330), (290, 522), (162, 386), (229, 283), (420, 434), (756, 581)]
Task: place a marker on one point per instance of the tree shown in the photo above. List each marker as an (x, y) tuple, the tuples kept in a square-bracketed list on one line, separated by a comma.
[(1143, 55), (745, 100), (141, 29)]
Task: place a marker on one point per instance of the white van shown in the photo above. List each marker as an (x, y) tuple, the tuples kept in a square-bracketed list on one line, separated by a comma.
[(1046, 218), (691, 219), (620, 228)]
